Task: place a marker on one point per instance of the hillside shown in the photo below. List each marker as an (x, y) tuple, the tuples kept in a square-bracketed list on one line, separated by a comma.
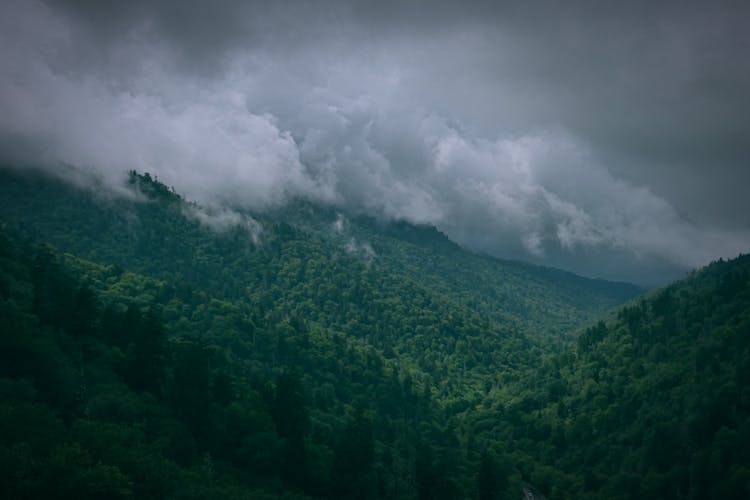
[(157, 233), (652, 403), (181, 351)]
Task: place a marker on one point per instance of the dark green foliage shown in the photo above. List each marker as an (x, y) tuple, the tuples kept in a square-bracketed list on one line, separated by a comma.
[(493, 477), (191, 386), (54, 293), (652, 404), (355, 454), (143, 365), (179, 360), (84, 312), (289, 412)]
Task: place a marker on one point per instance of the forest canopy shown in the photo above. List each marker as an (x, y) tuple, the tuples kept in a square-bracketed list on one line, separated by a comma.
[(154, 348)]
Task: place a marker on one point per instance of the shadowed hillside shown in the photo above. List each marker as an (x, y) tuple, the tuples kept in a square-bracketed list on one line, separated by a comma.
[(158, 348)]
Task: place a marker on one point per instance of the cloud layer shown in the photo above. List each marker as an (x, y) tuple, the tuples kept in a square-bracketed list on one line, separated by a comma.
[(511, 130)]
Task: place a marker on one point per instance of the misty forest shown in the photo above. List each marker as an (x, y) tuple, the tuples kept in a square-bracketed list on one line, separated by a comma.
[(152, 348), (374, 249)]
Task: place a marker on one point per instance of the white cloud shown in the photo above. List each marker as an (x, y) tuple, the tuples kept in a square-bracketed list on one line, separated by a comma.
[(222, 219), (350, 128)]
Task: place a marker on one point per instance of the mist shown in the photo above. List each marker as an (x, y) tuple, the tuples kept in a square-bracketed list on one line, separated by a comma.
[(610, 146)]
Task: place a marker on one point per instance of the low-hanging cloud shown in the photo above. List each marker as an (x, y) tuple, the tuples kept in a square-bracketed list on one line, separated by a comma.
[(222, 219), (368, 127)]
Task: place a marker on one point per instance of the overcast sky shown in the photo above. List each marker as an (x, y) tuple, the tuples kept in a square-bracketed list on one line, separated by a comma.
[(607, 138)]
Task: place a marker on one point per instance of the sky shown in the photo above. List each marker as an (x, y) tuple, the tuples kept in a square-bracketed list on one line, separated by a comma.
[(607, 138)]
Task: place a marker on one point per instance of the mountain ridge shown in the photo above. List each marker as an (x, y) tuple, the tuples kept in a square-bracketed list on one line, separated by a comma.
[(241, 355), (40, 203)]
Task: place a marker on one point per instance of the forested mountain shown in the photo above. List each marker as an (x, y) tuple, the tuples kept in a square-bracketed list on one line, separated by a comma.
[(155, 232), (155, 348), (651, 403)]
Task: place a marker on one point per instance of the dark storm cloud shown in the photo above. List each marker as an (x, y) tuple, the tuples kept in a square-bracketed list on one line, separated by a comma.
[(610, 139)]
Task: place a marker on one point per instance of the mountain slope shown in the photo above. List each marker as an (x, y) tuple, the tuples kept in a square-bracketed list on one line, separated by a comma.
[(654, 403), (321, 354), (157, 233)]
